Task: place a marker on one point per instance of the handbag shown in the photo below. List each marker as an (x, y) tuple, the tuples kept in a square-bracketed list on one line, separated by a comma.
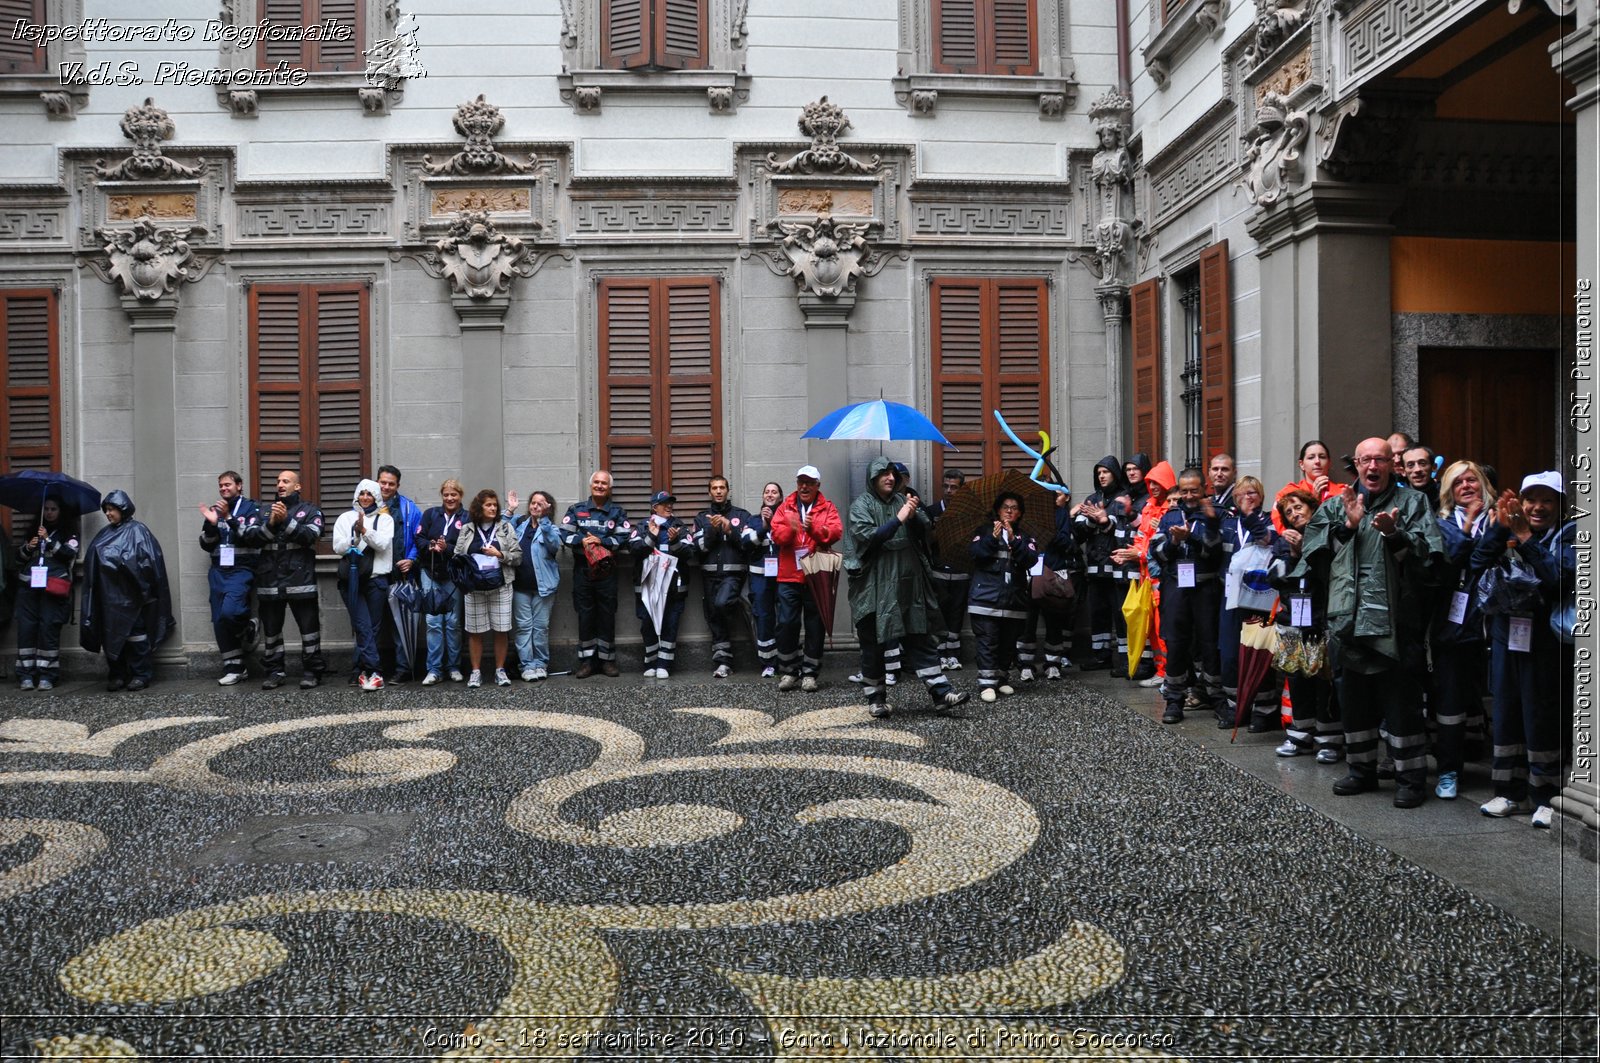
[(598, 560), (469, 577), (1247, 585), (1052, 590), (61, 587)]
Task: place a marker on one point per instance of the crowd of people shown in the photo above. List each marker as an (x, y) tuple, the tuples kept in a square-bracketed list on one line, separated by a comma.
[(1388, 604)]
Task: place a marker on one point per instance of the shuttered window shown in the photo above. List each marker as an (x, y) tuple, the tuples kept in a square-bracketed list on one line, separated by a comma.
[(309, 353), (991, 338), (17, 55), (1216, 351), (1145, 302), (660, 370), (30, 422), (985, 37), (327, 56), (653, 34)]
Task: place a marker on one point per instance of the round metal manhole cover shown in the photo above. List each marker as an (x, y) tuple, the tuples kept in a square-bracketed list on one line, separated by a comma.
[(312, 839)]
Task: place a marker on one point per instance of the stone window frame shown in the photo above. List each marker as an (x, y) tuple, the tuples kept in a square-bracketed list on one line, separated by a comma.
[(722, 82), (60, 101), (1054, 89), (1170, 35), (379, 17)]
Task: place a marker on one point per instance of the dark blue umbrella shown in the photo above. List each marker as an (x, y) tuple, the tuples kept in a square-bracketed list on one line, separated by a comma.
[(28, 490), (877, 419)]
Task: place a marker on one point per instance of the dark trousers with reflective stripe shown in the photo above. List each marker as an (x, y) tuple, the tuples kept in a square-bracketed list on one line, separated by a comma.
[(764, 610), (660, 647), (40, 617), (1391, 699), (1105, 617), (795, 605), (1315, 708), (724, 587), (306, 618), (952, 596), (136, 658), (230, 612), (1457, 700), (921, 652), (1057, 629), (596, 602), (996, 637), (1189, 626), (1528, 721)]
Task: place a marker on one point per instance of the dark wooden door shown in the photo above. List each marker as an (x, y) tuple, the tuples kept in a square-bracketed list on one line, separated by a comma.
[(1498, 408)]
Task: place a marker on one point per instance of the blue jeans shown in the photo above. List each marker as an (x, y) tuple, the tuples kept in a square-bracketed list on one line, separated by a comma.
[(444, 630), (530, 619)]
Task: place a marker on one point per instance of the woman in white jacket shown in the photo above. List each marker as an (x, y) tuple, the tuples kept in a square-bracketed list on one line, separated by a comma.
[(363, 538)]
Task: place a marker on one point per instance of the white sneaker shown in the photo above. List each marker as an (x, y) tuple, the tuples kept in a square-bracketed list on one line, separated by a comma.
[(230, 679), (500, 678), (768, 672), (371, 681), (1501, 807), (455, 675), (475, 679), (540, 673), (954, 665), (528, 675), (988, 694), (430, 679), (1542, 817), (721, 671), (1066, 665), (1289, 749), (1026, 675), (859, 677), (1007, 689), (1152, 682), (651, 673), (1052, 672), (47, 684), (662, 673), (888, 679), (808, 684)]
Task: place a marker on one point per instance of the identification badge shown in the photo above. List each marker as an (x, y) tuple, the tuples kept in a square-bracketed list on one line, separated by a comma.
[(225, 556), (1185, 574), (1299, 610), (1521, 640), (800, 551), (38, 577), (1458, 608), (769, 567), (1038, 568), (486, 562)]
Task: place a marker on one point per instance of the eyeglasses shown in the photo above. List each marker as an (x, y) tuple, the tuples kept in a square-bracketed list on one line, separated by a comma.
[(1375, 461)]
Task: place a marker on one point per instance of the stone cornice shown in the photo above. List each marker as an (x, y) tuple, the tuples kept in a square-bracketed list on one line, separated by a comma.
[(1324, 208), (1577, 58), (1194, 18)]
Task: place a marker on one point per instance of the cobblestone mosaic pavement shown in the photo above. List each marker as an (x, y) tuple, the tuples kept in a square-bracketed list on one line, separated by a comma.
[(610, 870)]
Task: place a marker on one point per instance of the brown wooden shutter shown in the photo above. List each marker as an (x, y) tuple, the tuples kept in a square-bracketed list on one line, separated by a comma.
[(278, 372), (956, 37), (19, 56), (286, 14), (340, 56), (1012, 38), (338, 315), (990, 338), (1216, 352), (691, 383), (627, 389), (680, 34), (625, 36), (1145, 301), (30, 400)]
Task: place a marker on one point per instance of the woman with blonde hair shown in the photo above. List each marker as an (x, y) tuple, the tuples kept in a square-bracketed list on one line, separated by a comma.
[(1456, 636), (435, 540)]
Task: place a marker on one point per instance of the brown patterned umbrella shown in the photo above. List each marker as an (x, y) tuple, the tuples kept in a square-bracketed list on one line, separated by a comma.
[(973, 505)]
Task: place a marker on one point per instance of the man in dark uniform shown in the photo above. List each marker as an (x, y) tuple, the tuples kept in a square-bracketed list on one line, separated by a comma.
[(949, 583), (233, 571), (1220, 478), (596, 522), (725, 537), (286, 579)]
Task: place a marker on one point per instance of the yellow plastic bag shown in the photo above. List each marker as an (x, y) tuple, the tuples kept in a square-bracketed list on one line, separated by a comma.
[(1137, 609)]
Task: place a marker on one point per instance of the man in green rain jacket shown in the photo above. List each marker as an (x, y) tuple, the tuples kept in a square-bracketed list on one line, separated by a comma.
[(1378, 547), (891, 587)]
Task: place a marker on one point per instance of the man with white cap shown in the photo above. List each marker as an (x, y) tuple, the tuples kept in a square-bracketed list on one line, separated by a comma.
[(1530, 562), (805, 523)]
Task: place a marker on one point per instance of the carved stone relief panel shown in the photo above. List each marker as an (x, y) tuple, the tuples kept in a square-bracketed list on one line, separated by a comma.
[(22, 222), (310, 215), (176, 206), (839, 202), (779, 184), (447, 202), (431, 204)]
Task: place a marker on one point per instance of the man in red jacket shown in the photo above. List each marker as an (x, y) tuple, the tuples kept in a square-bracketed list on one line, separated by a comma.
[(805, 522)]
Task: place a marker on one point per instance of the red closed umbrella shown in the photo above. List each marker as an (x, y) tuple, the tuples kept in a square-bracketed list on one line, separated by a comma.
[(820, 571), (1258, 642)]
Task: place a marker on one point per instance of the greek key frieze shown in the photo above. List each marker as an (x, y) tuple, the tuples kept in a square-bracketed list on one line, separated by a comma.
[(630, 216), (1215, 157), (286, 221), (33, 224), (1380, 30), (991, 219)]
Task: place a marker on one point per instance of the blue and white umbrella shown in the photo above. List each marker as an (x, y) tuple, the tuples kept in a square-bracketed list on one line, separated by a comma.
[(877, 419)]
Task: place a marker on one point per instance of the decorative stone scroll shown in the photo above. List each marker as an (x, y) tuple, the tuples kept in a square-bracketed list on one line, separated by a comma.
[(477, 259), (147, 126), (824, 257), (824, 123), (147, 261), (1273, 149), (478, 121), (1275, 21)]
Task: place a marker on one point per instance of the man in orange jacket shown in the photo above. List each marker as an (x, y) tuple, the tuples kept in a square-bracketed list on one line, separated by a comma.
[(804, 523)]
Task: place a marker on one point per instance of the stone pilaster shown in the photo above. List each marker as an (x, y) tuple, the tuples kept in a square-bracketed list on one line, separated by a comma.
[(1114, 309), (483, 451)]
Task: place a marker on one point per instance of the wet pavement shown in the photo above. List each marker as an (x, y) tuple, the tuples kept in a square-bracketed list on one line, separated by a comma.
[(624, 869)]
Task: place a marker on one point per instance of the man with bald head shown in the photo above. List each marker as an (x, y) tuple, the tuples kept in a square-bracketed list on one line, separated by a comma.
[(286, 579), (1377, 547)]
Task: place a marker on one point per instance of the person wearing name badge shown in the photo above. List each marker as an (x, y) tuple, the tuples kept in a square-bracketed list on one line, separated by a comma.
[(951, 583), (286, 533), (1534, 553), (805, 522), (1060, 554), (1303, 604), (533, 588), (1456, 637), (232, 573), (724, 538), (997, 602), (764, 580), (44, 596), (662, 533), (1188, 544), (1096, 531), (435, 537), (1246, 524), (363, 540), (491, 554), (1378, 546)]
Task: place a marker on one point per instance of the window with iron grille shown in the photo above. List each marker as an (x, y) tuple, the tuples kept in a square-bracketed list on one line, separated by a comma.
[(1188, 285)]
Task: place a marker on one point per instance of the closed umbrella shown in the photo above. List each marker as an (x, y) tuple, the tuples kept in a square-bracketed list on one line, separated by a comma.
[(973, 505), (1138, 609), (820, 572), (1258, 641), (405, 599)]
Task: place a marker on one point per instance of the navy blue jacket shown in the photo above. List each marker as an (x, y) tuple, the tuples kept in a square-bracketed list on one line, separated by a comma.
[(726, 555), (1461, 574), (1000, 585), (287, 567), (1203, 547), (435, 523), (227, 532)]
